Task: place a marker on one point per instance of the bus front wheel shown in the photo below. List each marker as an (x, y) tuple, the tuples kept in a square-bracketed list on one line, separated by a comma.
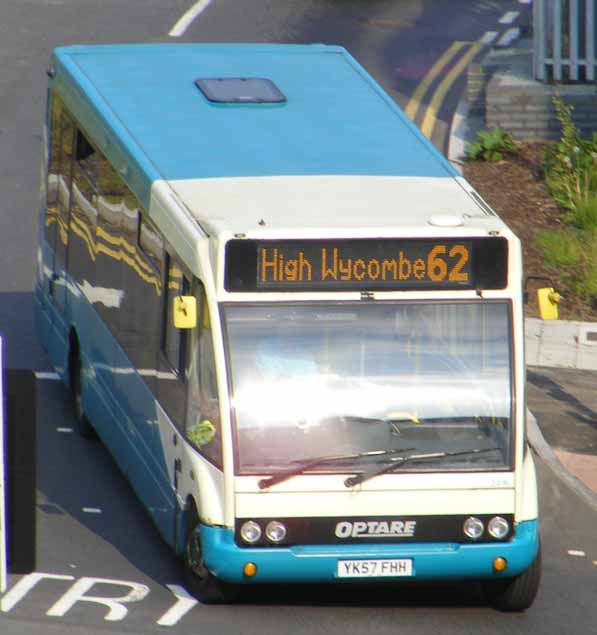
[(202, 583), (515, 594)]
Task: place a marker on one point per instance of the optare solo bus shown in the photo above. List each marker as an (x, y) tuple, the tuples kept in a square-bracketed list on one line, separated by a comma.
[(297, 329)]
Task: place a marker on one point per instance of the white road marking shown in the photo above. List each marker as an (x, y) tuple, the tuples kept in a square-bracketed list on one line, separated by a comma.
[(79, 587), (525, 1), (488, 37), (117, 611), (577, 553), (509, 36), (187, 19), (509, 17), (64, 429), (92, 510), (24, 585), (184, 603), (44, 375)]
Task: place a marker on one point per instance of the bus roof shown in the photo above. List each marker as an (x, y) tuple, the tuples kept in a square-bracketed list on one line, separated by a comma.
[(336, 119), (142, 106)]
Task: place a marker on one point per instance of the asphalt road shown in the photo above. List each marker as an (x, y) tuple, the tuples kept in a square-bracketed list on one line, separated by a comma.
[(116, 550), (94, 540)]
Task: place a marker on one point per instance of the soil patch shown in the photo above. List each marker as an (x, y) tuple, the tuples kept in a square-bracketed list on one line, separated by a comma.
[(515, 189)]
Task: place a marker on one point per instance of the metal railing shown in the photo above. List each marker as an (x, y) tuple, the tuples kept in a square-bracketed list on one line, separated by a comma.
[(564, 40)]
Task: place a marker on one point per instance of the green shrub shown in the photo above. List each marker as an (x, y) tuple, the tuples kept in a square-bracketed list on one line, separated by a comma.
[(491, 145), (571, 178), (560, 248), (588, 283), (571, 164), (584, 215)]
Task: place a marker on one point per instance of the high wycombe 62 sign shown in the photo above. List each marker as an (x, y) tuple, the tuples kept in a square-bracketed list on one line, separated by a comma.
[(366, 264)]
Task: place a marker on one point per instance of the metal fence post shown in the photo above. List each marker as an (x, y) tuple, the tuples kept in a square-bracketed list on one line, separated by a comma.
[(564, 40), (539, 35), (3, 542)]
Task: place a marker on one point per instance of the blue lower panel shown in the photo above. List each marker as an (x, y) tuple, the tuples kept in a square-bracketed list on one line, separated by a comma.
[(120, 406), (318, 563)]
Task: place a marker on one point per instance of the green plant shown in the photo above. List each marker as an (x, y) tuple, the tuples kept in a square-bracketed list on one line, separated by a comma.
[(571, 178), (572, 253), (588, 282), (584, 215), (571, 164), (491, 145), (560, 248)]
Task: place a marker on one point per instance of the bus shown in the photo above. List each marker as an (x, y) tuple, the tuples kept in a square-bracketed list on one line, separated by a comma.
[(296, 328)]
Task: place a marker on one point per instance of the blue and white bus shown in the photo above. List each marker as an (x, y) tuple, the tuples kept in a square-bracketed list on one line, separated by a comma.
[(296, 328)]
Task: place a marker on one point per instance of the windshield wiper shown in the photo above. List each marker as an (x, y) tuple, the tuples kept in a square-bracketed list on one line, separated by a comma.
[(400, 461), (320, 461)]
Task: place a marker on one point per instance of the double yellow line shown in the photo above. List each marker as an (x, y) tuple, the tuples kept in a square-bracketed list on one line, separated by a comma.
[(438, 96)]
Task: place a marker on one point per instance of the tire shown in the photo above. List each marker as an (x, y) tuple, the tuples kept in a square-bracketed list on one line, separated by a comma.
[(82, 423), (515, 594), (201, 582)]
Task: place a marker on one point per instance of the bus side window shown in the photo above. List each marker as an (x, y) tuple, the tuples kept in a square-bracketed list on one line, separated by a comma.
[(151, 243), (202, 426), (86, 156), (143, 277), (83, 214), (52, 216), (59, 180), (55, 151)]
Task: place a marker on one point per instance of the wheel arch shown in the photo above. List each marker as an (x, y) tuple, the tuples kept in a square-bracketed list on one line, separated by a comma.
[(188, 518)]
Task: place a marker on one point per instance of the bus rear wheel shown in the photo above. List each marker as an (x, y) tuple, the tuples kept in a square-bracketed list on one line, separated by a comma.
[(515, 594), (83, 425), (201, 582)]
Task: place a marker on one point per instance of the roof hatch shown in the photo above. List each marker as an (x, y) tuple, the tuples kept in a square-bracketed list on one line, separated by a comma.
[(240, 90)]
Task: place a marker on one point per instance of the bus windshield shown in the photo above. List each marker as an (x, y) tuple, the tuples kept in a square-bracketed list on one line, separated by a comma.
[(309, 380)]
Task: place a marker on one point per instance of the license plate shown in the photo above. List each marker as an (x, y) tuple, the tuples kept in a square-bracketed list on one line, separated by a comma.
[(388, 568)]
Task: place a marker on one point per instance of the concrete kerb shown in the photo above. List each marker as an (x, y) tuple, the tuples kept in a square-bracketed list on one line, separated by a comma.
[(543, 449), (560, 343)]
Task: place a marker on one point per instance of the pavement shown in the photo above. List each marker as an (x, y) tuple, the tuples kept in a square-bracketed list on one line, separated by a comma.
[(562, 424), (561, 361)]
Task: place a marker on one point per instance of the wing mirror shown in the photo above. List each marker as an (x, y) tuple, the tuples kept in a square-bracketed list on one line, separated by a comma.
[(185, 312), (547, 299)]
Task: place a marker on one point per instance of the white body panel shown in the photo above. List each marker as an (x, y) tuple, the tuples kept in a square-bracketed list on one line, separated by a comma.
[(375, 503), (213, 211), (412, 494), (326, 205)]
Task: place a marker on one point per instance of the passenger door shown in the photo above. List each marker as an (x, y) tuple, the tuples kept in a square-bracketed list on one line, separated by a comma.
[(172, 370)]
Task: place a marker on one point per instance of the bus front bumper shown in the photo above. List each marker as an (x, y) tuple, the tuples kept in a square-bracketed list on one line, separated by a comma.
[(319, 563)]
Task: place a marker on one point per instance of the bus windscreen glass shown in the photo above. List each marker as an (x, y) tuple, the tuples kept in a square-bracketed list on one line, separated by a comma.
[(360, 377)]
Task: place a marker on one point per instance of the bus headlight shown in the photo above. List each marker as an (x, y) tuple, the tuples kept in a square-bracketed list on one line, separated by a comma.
[(498, 527), (473, 528), (250, 532), (275, 531)]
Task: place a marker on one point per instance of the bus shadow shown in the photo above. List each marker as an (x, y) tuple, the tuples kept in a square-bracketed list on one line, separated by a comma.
[(405, 594), (577, 415), (80, 489)]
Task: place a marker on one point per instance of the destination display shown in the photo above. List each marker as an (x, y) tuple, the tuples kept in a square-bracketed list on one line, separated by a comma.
[(366, 264)]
